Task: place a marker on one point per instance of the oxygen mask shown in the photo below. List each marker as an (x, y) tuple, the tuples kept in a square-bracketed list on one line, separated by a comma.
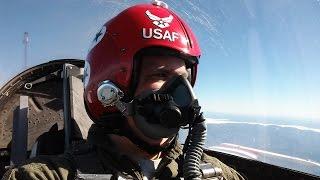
[(161, 113)]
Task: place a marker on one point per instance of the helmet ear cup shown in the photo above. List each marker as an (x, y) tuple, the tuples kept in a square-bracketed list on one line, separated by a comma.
[(108, 93)]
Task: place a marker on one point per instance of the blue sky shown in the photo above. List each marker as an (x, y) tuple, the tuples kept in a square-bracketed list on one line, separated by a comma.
[(259, 57)]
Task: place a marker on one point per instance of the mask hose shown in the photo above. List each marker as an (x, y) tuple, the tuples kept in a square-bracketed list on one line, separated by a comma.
[(194, 149)]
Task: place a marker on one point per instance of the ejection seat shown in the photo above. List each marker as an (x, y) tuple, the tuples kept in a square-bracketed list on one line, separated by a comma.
[(76, 120), (42, 112)]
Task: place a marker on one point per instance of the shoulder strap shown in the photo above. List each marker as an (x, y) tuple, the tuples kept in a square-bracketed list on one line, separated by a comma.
[(169, 166), (85, 159)]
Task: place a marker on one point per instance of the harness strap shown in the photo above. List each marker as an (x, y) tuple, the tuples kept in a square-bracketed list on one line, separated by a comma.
[(156, 97)]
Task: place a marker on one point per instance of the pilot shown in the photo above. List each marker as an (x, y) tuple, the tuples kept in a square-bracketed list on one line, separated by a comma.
[(138, 82)]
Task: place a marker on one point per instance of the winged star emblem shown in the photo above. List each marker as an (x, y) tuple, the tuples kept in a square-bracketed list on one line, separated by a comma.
[(160, 22)]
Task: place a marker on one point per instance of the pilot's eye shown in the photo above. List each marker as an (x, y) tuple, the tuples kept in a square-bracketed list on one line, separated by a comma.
[(159, 75), (163, 75)]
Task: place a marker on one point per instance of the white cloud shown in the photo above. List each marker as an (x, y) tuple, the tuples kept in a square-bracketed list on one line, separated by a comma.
[(289, 109)]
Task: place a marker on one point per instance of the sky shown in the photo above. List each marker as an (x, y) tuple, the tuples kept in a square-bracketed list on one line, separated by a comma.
[(258, 57)]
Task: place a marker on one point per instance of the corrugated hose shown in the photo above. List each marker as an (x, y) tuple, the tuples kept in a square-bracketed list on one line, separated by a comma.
[(194, 149)]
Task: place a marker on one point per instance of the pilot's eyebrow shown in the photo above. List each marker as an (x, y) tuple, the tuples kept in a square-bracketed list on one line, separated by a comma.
[(166, 71), (161, 70)]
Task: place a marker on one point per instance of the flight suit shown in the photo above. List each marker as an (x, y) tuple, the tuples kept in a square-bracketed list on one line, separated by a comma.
[(96, 157)]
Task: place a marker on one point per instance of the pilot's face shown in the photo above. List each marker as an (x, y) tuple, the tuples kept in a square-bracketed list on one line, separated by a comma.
[(155, 71)]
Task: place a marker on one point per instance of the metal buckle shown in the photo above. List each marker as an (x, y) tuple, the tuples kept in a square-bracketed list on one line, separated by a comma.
[(208, 171)]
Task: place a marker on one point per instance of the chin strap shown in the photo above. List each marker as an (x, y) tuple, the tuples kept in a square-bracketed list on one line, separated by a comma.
[(115, 123)]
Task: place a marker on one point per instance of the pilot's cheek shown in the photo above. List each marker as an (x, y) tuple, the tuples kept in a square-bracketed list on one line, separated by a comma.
[(156, 85), (149, 86)]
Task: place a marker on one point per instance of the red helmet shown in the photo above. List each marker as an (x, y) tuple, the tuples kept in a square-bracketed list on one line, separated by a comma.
[(112, 55)]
